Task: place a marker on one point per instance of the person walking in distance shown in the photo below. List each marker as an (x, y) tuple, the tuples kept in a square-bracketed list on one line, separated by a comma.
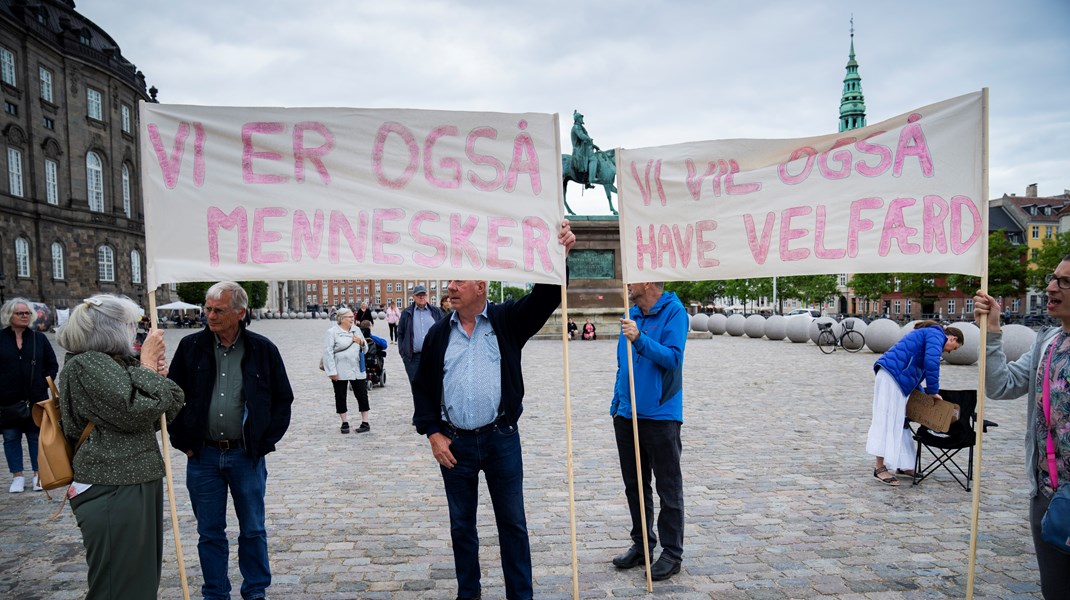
[(415, 321)]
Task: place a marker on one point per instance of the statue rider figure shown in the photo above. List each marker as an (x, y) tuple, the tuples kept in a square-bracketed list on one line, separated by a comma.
[(584, 160)]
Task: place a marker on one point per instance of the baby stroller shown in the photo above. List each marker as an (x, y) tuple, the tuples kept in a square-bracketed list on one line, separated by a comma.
[(375, 361)]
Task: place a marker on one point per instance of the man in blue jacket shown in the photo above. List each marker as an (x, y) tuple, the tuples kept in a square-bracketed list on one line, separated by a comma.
[(413, 325), (467, 398), (656, 327), (237, 408)]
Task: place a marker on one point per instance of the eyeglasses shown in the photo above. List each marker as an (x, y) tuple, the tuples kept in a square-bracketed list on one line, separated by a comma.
[(1064, 282), (22, 314), (216, 311)]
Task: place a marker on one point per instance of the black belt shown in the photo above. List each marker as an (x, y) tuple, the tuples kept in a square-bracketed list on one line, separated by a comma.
[(489, 426), (224, 444)]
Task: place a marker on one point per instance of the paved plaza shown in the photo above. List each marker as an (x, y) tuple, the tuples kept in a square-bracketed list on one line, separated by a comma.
[(779, 492)]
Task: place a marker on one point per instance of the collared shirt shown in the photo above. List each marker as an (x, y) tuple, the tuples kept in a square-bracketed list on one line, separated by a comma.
[(227, 410), (472, 376), (422, 320)]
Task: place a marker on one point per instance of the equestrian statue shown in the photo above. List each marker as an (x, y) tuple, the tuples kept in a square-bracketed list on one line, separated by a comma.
[(588, 164)]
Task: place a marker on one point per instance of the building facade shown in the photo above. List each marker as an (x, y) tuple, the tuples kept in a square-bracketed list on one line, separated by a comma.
[(71, 215), (322, 294)]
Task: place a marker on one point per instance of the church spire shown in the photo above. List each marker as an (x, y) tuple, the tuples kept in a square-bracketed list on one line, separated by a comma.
[(852, 102)]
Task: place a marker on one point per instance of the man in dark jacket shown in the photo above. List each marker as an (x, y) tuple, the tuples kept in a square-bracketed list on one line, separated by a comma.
[(228, 426), (467, 398), (413, 325)]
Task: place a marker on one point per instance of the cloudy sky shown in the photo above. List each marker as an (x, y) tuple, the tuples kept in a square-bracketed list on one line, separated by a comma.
[(643, 72)]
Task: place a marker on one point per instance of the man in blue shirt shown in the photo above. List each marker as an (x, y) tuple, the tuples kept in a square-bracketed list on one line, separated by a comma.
[(467, 398), (413, 325), (657, 327)]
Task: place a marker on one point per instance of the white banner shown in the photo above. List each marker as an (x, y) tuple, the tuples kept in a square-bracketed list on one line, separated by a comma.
[(900, 196), (313, 193)]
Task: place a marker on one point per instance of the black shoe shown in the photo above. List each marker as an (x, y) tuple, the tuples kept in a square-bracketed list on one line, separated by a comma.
[(630, 559), (363, 427), (664, 568), (345, 426), (476, 597)]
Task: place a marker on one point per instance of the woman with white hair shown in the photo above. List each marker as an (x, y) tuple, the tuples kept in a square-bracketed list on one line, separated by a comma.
[(117, 494), (343, 361), (26, 359)]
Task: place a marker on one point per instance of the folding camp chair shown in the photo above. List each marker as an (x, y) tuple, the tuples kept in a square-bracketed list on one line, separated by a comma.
[(944, 447)]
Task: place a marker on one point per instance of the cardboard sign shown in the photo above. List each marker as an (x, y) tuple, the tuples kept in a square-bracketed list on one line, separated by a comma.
[(932, 412)]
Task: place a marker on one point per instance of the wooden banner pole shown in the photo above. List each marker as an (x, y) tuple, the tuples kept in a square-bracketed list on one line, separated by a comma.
[(638, 463), (568, 447)]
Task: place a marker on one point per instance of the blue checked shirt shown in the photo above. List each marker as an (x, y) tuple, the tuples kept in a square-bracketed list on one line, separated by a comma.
[(472, 377)]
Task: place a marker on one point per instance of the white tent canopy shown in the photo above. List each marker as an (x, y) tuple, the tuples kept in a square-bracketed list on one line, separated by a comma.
[(179, 305)]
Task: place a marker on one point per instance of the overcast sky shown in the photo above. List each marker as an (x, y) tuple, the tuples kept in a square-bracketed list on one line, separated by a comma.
[(644, 73)]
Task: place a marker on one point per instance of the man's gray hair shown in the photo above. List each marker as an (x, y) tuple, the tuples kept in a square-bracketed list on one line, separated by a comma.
[(238, 298), (103, 323), (9, 309)]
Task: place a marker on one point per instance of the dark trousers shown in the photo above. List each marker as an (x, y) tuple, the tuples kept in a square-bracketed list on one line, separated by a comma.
[(411, 366), (360, 390), (393, 331), (1054, 565), (497, 453), (659, 455)]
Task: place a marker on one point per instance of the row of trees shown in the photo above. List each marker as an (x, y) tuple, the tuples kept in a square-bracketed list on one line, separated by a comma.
[(194, 291)]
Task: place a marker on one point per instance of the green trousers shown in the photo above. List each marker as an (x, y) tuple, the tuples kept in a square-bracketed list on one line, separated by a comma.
[(122, 530)]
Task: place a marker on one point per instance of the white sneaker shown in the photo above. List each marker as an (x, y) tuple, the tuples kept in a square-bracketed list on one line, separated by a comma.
[(37, 484), (18, 485)]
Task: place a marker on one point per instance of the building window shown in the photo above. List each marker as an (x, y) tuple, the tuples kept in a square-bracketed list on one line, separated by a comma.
[(950, 306), (57, 260), (95, 104), (843, 279), (84, 37), (22, 257), (124, 112), (51, 182), (1048, 232), (126, 191), (49, 123), (94, 182), (46, 84), (7, 67), (909, 307), (968, 308), (1034, 253), (1016, 305), (898, 310), (135, 266), (11, 108), (1036, 232), (14, 171), (105, 264)]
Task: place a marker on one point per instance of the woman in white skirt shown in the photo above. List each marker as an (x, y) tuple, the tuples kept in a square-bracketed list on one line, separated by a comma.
[(913, 361)]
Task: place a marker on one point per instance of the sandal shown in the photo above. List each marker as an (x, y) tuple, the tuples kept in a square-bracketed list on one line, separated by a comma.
[(889, 480)]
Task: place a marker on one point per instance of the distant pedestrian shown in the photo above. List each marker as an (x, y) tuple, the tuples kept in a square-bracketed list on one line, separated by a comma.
[(343, 362), (392, 316), (413, 325)]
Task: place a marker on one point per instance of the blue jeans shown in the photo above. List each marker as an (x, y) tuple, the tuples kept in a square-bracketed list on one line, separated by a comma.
[(13, 446), (208, 477), (412, 365), (497, 453)]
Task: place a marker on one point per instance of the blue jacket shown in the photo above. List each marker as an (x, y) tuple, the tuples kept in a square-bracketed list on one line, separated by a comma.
[(406, 330), (658, 359), (265, 390), (514, 322), (916, 358)]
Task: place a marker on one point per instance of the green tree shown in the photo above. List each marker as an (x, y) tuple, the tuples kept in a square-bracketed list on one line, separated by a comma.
[(257, 291), (193, 291), (1008, 272), (810, 289), (1052, 251), (495, 292), (921, 287), (871, 286)]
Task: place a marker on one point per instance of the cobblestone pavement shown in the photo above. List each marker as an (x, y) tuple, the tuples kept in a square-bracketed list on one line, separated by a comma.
[(779, 492)]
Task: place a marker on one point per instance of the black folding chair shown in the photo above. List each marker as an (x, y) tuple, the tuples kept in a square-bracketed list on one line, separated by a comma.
[(944, 447)]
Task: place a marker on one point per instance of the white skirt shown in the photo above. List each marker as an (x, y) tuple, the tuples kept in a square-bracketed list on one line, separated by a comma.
[(888, 435)]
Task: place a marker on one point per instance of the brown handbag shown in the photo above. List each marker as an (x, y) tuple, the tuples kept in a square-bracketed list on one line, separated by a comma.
[(54, 455)]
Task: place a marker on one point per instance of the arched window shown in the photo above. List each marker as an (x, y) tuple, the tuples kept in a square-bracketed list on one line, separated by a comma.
[(94, 181), (22, 257), (105, 263), (57, 261), (126, 191), (135, 266)]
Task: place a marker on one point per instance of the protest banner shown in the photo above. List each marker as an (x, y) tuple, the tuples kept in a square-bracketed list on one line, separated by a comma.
[(309, 193), (902, 195)]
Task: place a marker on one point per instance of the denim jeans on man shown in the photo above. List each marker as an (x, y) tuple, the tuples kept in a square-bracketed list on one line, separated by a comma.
[(496, 452), (208, 477), (659, 453), (13, 446)]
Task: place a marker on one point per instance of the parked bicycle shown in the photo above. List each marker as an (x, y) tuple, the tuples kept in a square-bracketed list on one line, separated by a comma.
[(850, 340)]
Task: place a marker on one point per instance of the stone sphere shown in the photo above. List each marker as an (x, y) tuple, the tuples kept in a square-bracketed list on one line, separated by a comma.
[(970, 351), (798, 330), (856, 324), (814, 330), (909, 327), (717, 324), (735, 325), (1017, 340), (698, 321), (754, 326), (380, 315), (882, 334), (776, 327), (287, 315)]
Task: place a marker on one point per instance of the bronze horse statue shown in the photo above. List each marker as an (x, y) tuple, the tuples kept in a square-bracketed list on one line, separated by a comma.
[(606, 175)]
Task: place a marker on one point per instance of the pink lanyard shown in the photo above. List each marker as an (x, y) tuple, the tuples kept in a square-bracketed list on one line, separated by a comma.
[(1052, 467)]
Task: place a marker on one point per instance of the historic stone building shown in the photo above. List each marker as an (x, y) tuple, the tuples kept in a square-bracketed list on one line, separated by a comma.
[(71, 214)]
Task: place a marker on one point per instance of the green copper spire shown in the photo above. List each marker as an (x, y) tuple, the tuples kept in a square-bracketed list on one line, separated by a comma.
[(852, 103)]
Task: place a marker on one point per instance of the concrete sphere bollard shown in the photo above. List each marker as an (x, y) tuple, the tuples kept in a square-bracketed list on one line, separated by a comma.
[(698, 321), (287, 315), (735, 324), (380, 315), (857, 325), (798, 330), (718, 324), (776, 327), (754, 326), (814, 330), (1017, 340), (970, 350), (882, 334), (909, 327)]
